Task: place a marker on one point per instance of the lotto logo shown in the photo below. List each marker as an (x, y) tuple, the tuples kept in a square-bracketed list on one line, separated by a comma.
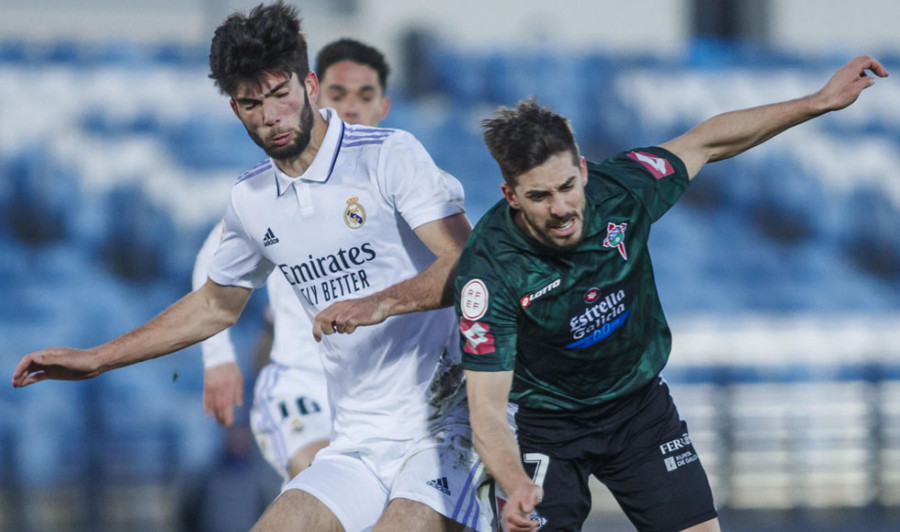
[(479, 340), (526, 300)]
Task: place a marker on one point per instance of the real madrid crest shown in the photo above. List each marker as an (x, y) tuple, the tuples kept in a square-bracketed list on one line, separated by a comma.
[(354, 214)]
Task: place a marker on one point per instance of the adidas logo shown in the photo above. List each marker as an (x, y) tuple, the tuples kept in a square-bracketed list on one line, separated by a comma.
[(441, 484), (269, 238)]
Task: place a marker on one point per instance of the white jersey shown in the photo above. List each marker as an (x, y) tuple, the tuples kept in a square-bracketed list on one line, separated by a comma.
[(293, 344), (344, 229)]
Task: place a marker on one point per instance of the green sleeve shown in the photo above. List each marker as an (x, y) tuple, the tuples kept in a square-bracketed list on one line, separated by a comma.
[(654, 176), (487, 314)]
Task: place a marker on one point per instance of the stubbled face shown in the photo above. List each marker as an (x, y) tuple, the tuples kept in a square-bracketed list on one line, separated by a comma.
[(353, 90), (276, 113), (550, 201)]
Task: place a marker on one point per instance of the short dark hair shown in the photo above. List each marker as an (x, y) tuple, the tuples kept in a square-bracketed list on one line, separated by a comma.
[(353, 50), (526, 137), (268, 41)]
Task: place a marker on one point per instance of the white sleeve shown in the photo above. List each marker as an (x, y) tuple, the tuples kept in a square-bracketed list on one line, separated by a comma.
[(419, 190), (218, 348), (457, 193), (237, 260)]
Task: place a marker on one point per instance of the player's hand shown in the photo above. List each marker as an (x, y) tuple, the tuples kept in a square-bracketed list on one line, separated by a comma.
[(60, 363), (345, 316), (223, 387), (519, 505), (849, 81)]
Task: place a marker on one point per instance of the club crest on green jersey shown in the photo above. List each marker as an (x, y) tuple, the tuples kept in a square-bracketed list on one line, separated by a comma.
[(354, 214), (615, 238)]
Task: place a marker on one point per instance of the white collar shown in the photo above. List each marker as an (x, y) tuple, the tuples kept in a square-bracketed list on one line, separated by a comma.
[(323, 163)]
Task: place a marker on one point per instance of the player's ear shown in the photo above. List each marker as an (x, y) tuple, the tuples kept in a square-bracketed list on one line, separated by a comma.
[(584, 171), (311, 82), (510, 194), (234, 108), (385, 107)]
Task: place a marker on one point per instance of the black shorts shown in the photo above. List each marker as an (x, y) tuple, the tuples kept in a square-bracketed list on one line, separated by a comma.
[(637, 446)]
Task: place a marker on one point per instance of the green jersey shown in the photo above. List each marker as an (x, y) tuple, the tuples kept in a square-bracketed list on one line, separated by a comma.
[(582, 326)]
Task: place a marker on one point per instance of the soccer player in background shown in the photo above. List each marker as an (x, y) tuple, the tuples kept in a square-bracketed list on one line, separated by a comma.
[(562, 329), (353, 80), (291, 418), (367, 231)]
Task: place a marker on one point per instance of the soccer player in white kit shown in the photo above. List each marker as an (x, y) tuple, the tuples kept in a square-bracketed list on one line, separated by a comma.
[(291, 417), (367, 231)]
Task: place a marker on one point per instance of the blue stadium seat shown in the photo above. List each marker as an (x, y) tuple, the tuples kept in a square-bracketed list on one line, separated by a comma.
[(15, 51), (123, 54), (866, 233), (42, 198), (50, 434), (462, 76), (788, 205), (180, 55), (67, 51), (137, 234), (203, 142)]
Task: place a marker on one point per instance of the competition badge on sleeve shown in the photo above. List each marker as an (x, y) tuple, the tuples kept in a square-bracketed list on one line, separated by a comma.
[(474, 299)]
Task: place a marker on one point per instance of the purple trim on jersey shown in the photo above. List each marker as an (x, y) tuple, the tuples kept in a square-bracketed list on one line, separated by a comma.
[(255, 171), (337, 150), (365, 135), (355, 143), (364, 132), (469, 495), (373, 135), (359, 128), (279, 444)]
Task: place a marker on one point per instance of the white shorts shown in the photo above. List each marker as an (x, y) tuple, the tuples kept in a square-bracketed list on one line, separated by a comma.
[(440, 470), (290, 411)]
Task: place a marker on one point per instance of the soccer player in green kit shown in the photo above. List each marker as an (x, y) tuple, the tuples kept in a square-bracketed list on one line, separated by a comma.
[(563, 333)]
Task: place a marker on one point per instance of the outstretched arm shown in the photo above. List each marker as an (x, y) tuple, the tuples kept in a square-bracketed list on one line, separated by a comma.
[(496, 445), (223, 383), (730, 134), (430, 289), (196, 316)]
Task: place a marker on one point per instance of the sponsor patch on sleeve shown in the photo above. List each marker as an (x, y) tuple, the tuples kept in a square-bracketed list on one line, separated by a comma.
[(473, 301), (479, 340), (658, 166)]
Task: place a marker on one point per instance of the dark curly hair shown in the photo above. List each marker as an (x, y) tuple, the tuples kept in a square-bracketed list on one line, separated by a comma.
[(353, 50), (268, 41), (526, 137)]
